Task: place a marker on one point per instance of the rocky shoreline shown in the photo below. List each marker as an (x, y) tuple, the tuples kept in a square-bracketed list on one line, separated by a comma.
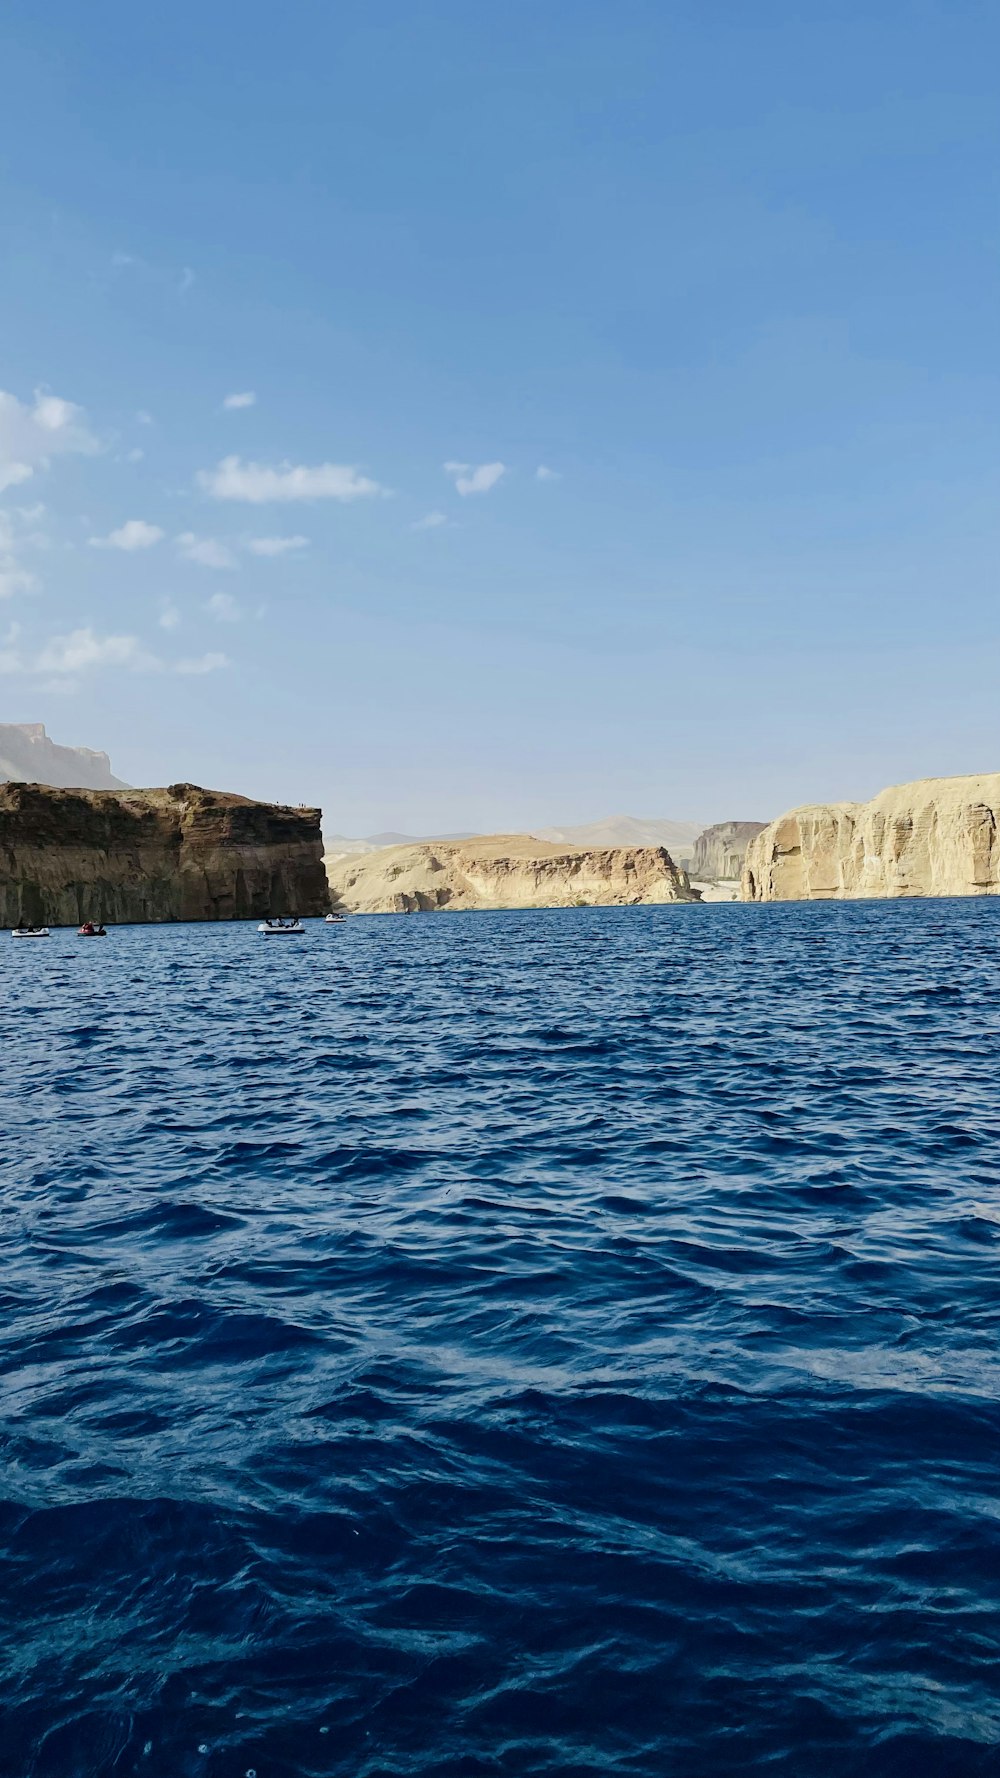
[(182, 853)]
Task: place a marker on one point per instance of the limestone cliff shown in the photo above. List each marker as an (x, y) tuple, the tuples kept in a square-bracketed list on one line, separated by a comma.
[(719, 851), (505, 871), (28, 756), (937, 836), (148, 855)]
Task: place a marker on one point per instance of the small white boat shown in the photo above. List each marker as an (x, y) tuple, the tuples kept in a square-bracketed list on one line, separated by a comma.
[(30, 932), (281, 928), (334, 919)]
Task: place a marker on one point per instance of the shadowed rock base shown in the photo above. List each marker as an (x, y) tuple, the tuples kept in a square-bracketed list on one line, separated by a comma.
[(151, 855)]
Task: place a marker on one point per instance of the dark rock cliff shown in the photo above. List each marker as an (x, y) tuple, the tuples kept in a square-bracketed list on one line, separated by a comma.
[(148, 855)]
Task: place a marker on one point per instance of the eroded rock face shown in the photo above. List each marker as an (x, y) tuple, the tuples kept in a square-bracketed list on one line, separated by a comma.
[(505, 871), (148, 855), (28, 756), (937, 836), (719, 851)]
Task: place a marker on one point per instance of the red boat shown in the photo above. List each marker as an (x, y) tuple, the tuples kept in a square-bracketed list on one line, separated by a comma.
[(89, 930)]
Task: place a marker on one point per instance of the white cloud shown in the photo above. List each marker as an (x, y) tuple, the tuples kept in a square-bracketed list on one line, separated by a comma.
[(276, 546), (82, 649), (134, 534), (203, 663), (186, 281), (13, 577), (479, 480), (430, 521), (207, 551), (544, 474), (224, 608), (248, 398), (232, 479), (135, 456), (144, 418), (31, 436), (169, 616)]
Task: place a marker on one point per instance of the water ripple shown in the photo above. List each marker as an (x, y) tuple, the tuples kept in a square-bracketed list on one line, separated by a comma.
[(498, 1344)]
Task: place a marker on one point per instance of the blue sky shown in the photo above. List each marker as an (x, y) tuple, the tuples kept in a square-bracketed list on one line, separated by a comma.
[(726, 274)]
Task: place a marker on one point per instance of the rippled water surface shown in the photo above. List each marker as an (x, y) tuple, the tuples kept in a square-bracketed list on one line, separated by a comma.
[(543, 1343)]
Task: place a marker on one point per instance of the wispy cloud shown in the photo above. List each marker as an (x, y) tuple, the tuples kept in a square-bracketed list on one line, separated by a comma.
[(14, 577), (208, 552), (247, 398), (84, 651), (258, 483), (169, 616), (224, 608), (544, 474), (430, 521), (202, 663), (134, 534), (276, 546), (475, 480), (30, 436)]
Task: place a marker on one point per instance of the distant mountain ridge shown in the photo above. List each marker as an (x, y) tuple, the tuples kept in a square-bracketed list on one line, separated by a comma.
[(614, 830), (28, 756), (627, 830)]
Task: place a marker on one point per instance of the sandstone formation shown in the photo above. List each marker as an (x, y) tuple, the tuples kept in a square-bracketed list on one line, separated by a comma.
[(144, 855), (937, 836), (719, 852), (29, 757), (505, 871)]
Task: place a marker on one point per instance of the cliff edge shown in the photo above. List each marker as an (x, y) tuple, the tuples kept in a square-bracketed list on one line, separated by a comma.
[(719, 852), (937, 836), (505, 871), (27, 755), (149, 855)]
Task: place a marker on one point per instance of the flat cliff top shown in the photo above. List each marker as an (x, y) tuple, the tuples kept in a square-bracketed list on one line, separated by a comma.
[(968, 787), (517, 846), (171, 799)]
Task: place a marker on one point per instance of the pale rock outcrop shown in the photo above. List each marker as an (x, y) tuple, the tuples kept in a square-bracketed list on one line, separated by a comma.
[(150, 855), (29, 757), (937, 836), (719, 851), (505, 871)]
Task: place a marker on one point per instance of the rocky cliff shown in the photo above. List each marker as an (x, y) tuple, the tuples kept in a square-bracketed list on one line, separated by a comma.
[(143, 855), (28, 756), (937, 836), (505, 871), (719, 852)]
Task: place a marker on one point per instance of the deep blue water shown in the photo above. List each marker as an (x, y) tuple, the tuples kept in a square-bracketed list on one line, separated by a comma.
[(546, 1343)]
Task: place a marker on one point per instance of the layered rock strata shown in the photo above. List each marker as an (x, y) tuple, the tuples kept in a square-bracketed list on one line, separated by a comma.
[(148, 855), (937, 836), (505, 871), (719, 852)]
